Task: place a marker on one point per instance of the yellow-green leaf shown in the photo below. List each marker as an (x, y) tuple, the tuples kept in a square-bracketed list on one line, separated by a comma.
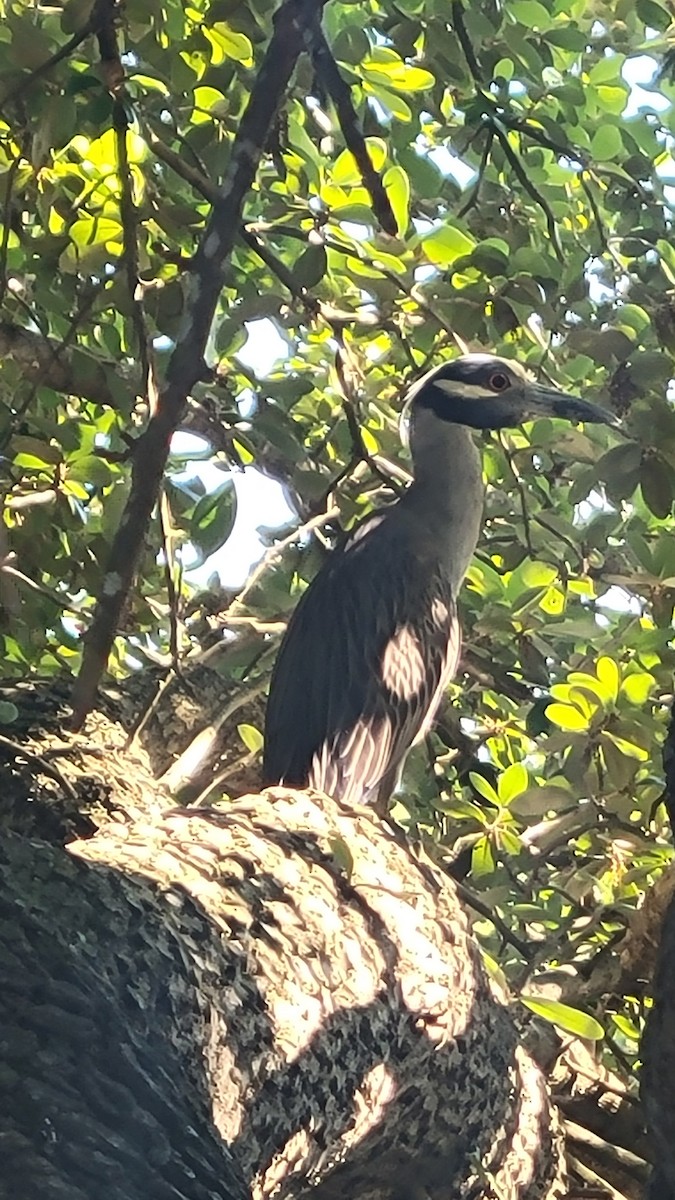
[(609, 675), (482, 859), (628, 748), (485, 789), (251, 737), (567, 717), (512, 782), (345, 172), (226, 43), (572, 1020), (446, 244), (397, 187), (637, 688)]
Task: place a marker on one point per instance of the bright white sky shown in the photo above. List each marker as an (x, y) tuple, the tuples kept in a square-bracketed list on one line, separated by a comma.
[(260, 501)]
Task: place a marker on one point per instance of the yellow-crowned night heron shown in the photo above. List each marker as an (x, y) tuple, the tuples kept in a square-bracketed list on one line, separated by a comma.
[(375, 638)]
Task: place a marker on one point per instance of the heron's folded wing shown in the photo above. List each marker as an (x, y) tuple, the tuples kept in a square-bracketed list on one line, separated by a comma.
[(368, 651)]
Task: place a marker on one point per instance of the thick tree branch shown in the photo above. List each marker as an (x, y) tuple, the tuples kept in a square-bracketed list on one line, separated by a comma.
[(187, 361)]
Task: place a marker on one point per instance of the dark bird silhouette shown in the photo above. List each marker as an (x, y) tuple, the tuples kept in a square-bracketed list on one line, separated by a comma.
[(375, 639)]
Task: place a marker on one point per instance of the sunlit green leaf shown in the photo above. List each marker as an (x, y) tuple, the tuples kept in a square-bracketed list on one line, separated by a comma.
[(251, 737), (397, 186), (571, 1020), (446, 244), (482, 858), (566, 717), (512, 782), (483, 787)]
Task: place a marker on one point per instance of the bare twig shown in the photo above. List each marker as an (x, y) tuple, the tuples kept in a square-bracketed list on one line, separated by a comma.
[(484, 159), (186, 366), (468, 897), (129, 219), (329, 74), (271, 556), (189, 765), (529, 187), (97, 18), (39, 762), (457, 9)]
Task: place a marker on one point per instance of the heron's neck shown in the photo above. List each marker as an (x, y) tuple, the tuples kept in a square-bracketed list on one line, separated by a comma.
[(447, 490)]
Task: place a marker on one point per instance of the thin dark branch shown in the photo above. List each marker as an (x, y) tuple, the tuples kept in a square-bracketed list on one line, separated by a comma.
[(484, 159), (129, 219), (468, 897), (340, 93), (529, 187), (465, 41)]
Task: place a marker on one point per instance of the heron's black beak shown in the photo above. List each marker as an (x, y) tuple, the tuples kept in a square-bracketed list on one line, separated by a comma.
[(548, 402)]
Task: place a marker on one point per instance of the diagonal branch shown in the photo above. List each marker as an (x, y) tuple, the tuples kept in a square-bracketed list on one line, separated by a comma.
[(186, 366), (329, 74)]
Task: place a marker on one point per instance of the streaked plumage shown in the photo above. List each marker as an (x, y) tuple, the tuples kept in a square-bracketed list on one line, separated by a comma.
[(375, 639)]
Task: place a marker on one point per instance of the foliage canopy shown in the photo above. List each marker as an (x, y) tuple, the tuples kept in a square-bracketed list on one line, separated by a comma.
[(532, 190)]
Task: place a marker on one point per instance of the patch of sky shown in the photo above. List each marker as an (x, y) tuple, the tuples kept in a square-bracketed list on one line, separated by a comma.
[(617, 599), (599, 291), (261, 504), (586, 509), (264, 347), (640, 72), (451, 164)]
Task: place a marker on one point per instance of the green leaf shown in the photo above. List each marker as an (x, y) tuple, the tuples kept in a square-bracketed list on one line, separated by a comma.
[(446, 244), (638, 687), (482, 858), (213, 518), (572, 1020), (33, 453), (609, 675), (606, 143), (89, 469), (251, 737), (629, 749), (311, 266), (8, 712), (530, 13), (342, 856), (514, 780), (397, 187), (485, 789), (567, 717), (396, 105), (396, 74), (656, 484), (226, 43)]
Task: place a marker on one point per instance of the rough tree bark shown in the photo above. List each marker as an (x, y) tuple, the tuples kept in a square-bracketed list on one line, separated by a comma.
[(259, 999)]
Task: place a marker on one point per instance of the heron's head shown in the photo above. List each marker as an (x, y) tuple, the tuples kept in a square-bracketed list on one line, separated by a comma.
[(487, 392)]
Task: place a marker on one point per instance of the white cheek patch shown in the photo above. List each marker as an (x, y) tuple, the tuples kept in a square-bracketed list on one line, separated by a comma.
[(464, 391)]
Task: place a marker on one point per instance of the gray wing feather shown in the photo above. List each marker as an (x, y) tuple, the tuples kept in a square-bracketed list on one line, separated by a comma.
[(367, 654)]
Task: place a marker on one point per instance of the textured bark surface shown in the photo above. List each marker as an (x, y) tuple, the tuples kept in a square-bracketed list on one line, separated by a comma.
[(263, 998)]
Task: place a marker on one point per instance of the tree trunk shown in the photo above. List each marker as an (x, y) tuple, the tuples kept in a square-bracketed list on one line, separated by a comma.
[(259, 998)]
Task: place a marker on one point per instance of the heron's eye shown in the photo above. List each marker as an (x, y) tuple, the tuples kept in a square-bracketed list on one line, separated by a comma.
[(499, 382)]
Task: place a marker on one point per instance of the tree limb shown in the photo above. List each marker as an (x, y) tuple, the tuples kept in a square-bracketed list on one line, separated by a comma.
[(186, 365)]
